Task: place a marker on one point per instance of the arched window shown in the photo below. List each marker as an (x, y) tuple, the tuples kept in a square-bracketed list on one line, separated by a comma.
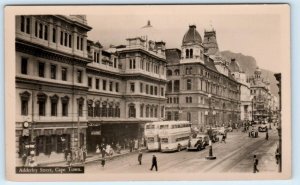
[(97, 109), (110, 110), (177, 72), (187, 53), (191, 53), (90, 108), (104, 109), (24, 103), (80, 102), (131, 111), (169, 116), (169, 72), (147, 111), (42, 99), (118, 111)]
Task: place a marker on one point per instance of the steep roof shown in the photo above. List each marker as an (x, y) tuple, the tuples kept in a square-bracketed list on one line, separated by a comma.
[(192, 36), (210, 42)]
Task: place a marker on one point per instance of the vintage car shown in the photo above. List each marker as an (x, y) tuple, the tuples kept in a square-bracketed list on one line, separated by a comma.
[(198, 142), (263, 127)]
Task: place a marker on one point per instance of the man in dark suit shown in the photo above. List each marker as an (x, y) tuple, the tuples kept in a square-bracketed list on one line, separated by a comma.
[(154, 163)]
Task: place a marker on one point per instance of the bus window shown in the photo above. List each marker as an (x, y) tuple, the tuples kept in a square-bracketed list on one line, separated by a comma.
[(150, 139), (150, 127), (164, 126), (164, 140)]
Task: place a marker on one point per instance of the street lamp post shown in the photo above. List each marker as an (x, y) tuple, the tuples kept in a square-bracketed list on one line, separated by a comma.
[(210, 156)]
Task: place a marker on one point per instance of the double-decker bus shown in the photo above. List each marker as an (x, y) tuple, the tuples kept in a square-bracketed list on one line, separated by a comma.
[(151, 136), (174, 135)]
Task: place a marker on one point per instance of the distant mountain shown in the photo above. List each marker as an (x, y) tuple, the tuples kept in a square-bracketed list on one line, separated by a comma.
[(248, 65)]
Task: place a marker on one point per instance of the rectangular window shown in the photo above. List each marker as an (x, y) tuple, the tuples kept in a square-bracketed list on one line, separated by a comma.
[(132, 86), (97, 83), (53, 109), (66, 39), (81, 43), (189, 84), (70, 41), (155, 90), (141, 87), (80, 109), (53, 71), (42, 108), (115, 63), (104, 85), (28, 25), (162, 91), (64, 74), (41, 69), (151, 90), (61, 37), (78, 42), (147, 89), (110, 86), (79, 76), (64, 109), (24, 107), (24, 62), (54, 35), (22, 24), (90, 82), (46, 33), (117, 87), (41, 31), (36, 29)]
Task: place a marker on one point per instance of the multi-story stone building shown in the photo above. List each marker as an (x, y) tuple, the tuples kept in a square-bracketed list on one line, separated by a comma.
[(126, 90), (261, 96), (74, 93), (240, 76), (201, 88), (51, 86)]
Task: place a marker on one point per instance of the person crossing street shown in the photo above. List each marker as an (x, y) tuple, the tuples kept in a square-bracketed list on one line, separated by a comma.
[(154, 163), (255, 163)]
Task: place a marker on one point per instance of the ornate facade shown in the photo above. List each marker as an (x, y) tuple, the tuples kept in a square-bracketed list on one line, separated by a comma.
[(200, 87)]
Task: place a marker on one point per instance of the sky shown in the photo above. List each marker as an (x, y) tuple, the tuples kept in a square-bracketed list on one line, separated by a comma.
[(248, 32)]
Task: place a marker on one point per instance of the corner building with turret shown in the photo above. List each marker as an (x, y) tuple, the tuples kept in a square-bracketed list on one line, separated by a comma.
[(201, 88)]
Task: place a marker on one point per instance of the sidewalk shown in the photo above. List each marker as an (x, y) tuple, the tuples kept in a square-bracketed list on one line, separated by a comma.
[(90, 158)]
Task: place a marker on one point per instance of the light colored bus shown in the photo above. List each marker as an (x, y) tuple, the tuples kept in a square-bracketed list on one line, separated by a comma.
[(151, 136), (174, 135)]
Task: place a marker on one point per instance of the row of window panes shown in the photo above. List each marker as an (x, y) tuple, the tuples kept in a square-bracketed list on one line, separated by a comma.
[(54, 104), (103, 111), (176, 72), (104, 84), (151, 90), (96, 57), (173, 100), (175, 113), (41, 31), (53, 70), (150, 112)]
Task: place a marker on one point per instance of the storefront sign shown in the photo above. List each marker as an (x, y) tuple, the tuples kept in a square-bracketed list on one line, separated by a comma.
[(96, 132), (94, 124)]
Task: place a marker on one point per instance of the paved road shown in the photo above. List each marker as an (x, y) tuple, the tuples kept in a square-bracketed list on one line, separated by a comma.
[(234, 156)]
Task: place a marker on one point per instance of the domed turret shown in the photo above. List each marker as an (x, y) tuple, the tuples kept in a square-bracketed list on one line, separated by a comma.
[(192, 36)]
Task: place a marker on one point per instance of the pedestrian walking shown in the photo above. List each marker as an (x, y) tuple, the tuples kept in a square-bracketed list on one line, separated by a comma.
[(24, 158), (84, 153), (69, 159), (267, 135), (154, 163), (140, 156), (223, 138), (255, 163), (103, 152), (103, 162)]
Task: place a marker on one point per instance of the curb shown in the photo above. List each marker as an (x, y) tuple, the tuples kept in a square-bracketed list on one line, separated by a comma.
[(91, 160)]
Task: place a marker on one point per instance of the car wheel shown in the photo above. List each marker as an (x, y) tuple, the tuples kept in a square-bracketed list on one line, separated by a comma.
[(199, 148)]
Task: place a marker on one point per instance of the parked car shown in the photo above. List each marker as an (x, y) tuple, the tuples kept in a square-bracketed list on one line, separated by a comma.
[(198, 142), (253, 133), (263, 127)]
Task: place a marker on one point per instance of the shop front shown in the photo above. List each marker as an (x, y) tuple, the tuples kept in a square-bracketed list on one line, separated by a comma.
[(112, 133)]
